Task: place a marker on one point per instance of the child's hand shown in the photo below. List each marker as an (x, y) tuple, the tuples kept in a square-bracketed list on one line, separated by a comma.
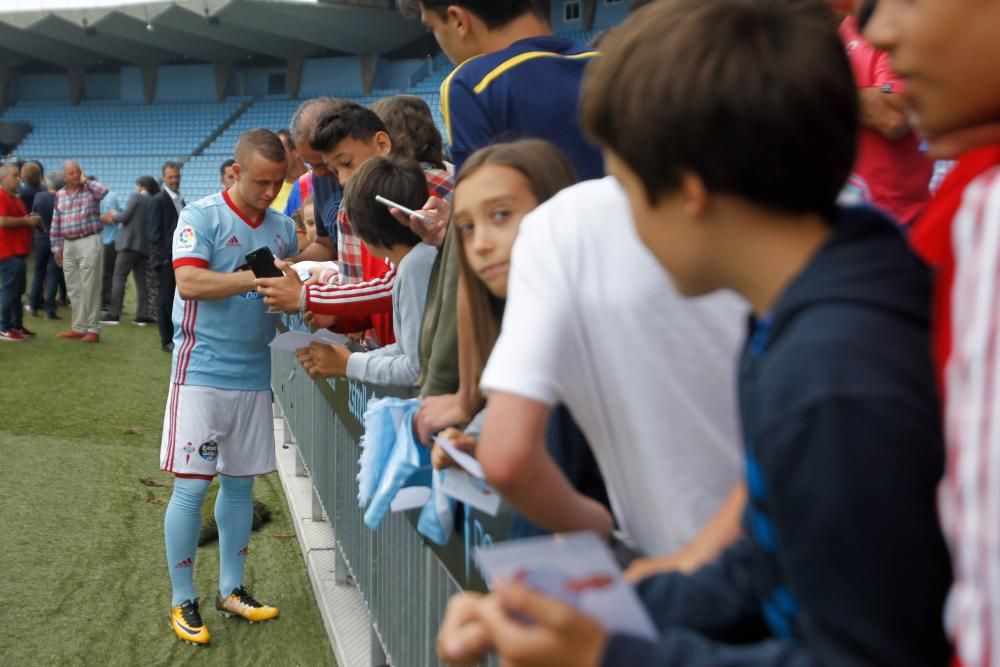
[(319, 321), (559, 635), (440, 459), (322, 360), (436, 209), (281, 294), (438, 412)]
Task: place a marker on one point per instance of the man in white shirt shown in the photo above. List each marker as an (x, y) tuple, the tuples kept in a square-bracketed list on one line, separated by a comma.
[(592, 321)]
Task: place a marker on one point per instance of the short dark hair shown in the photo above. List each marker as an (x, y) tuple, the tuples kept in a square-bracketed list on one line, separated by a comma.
[(263, 142), (400, 180), (756, 97), (494, 13), (865, 13), (348, 120), (149, 184), (226, 164), (411, 127), (169, 164)]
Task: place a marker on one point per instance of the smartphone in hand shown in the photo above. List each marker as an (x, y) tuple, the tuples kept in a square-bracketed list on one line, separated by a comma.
[(261, 262), (406, 211)]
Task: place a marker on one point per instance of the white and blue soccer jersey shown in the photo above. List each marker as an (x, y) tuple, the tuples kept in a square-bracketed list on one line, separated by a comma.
[(223, 344)]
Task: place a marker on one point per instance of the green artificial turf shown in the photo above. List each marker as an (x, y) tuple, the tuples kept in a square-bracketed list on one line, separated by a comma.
[(83, 577)]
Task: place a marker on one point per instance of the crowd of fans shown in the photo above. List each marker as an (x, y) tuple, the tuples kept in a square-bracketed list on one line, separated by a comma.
[(781, 404), (44, 215)]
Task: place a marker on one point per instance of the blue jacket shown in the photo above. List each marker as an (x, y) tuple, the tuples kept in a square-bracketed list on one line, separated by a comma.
[(531, 89), (842, 562)]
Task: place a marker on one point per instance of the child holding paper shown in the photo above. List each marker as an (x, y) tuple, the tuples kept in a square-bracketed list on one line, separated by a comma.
[(732, 182), (396, 365)]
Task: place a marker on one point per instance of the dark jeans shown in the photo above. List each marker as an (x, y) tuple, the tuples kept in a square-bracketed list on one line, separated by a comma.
[(152, 290), (13, 281), (108, 275), (165, 303), (129, 261), (45, 275)]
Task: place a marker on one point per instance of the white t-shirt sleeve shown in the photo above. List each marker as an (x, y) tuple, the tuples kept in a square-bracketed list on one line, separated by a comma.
[(535, 343)]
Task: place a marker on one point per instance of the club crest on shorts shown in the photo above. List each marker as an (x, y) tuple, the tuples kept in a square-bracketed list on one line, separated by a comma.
[(209, 451)]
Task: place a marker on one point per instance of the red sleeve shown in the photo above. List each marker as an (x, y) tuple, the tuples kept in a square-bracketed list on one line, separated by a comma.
[(190, 261), (883, 74), (358, 301)]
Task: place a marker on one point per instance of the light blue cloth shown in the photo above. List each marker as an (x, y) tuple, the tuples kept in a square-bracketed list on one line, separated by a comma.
[(383, 417), (110, 232), (234, 517), (391, 459), (437, 518), (181, 528)]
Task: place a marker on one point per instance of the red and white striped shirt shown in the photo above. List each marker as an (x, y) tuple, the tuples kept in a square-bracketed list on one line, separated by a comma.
[(969, 495)]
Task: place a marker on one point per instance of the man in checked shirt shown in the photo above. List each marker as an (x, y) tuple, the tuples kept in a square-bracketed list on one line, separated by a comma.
[(76, 244)]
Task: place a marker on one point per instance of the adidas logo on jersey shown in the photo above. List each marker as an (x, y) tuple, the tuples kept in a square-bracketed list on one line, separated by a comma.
[(233, 242)]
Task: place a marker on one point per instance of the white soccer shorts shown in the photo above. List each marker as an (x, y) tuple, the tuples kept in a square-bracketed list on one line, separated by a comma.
[(208, 431)]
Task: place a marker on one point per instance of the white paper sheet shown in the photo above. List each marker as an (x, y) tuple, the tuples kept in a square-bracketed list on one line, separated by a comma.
[(470, 490), (463, 459), (294, 340), (578, 569)]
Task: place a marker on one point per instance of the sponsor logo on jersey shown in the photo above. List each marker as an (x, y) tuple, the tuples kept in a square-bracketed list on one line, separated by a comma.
[(185, 239), (209, 450), (252, 296), (233, 242)]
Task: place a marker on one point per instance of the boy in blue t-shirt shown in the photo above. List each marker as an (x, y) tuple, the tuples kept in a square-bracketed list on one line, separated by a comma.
[(732, 183)]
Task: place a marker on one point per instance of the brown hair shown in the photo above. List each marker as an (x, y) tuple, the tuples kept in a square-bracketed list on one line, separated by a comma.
[(548, 171), (261, 142), (411, 128), (400, 180), (756, 97)]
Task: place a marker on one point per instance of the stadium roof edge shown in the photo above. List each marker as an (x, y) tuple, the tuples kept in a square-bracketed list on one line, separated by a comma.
[(72, 34)]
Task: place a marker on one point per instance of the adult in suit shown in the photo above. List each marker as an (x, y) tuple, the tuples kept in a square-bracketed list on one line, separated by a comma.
[(132, 247), (163, 212)]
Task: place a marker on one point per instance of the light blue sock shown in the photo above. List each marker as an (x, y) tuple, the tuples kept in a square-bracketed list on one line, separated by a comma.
[(181, 527), (234, 516)]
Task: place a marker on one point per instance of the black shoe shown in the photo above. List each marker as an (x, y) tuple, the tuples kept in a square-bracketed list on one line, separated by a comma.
[(168, 348), (52, 316), (110, 321), (141, 321)]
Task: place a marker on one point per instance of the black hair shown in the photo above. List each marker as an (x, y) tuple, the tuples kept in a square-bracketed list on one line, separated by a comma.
[(149, 184), (756, 97), (400, 180), (494, 13), (865, 13), (225, 165), (348, 120)]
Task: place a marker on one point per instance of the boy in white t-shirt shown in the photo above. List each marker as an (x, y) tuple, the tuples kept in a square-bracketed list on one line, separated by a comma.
[(593, 321)]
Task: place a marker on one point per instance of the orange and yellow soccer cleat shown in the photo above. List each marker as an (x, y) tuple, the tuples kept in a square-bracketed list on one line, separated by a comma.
[(241, 603), (186, 622)]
